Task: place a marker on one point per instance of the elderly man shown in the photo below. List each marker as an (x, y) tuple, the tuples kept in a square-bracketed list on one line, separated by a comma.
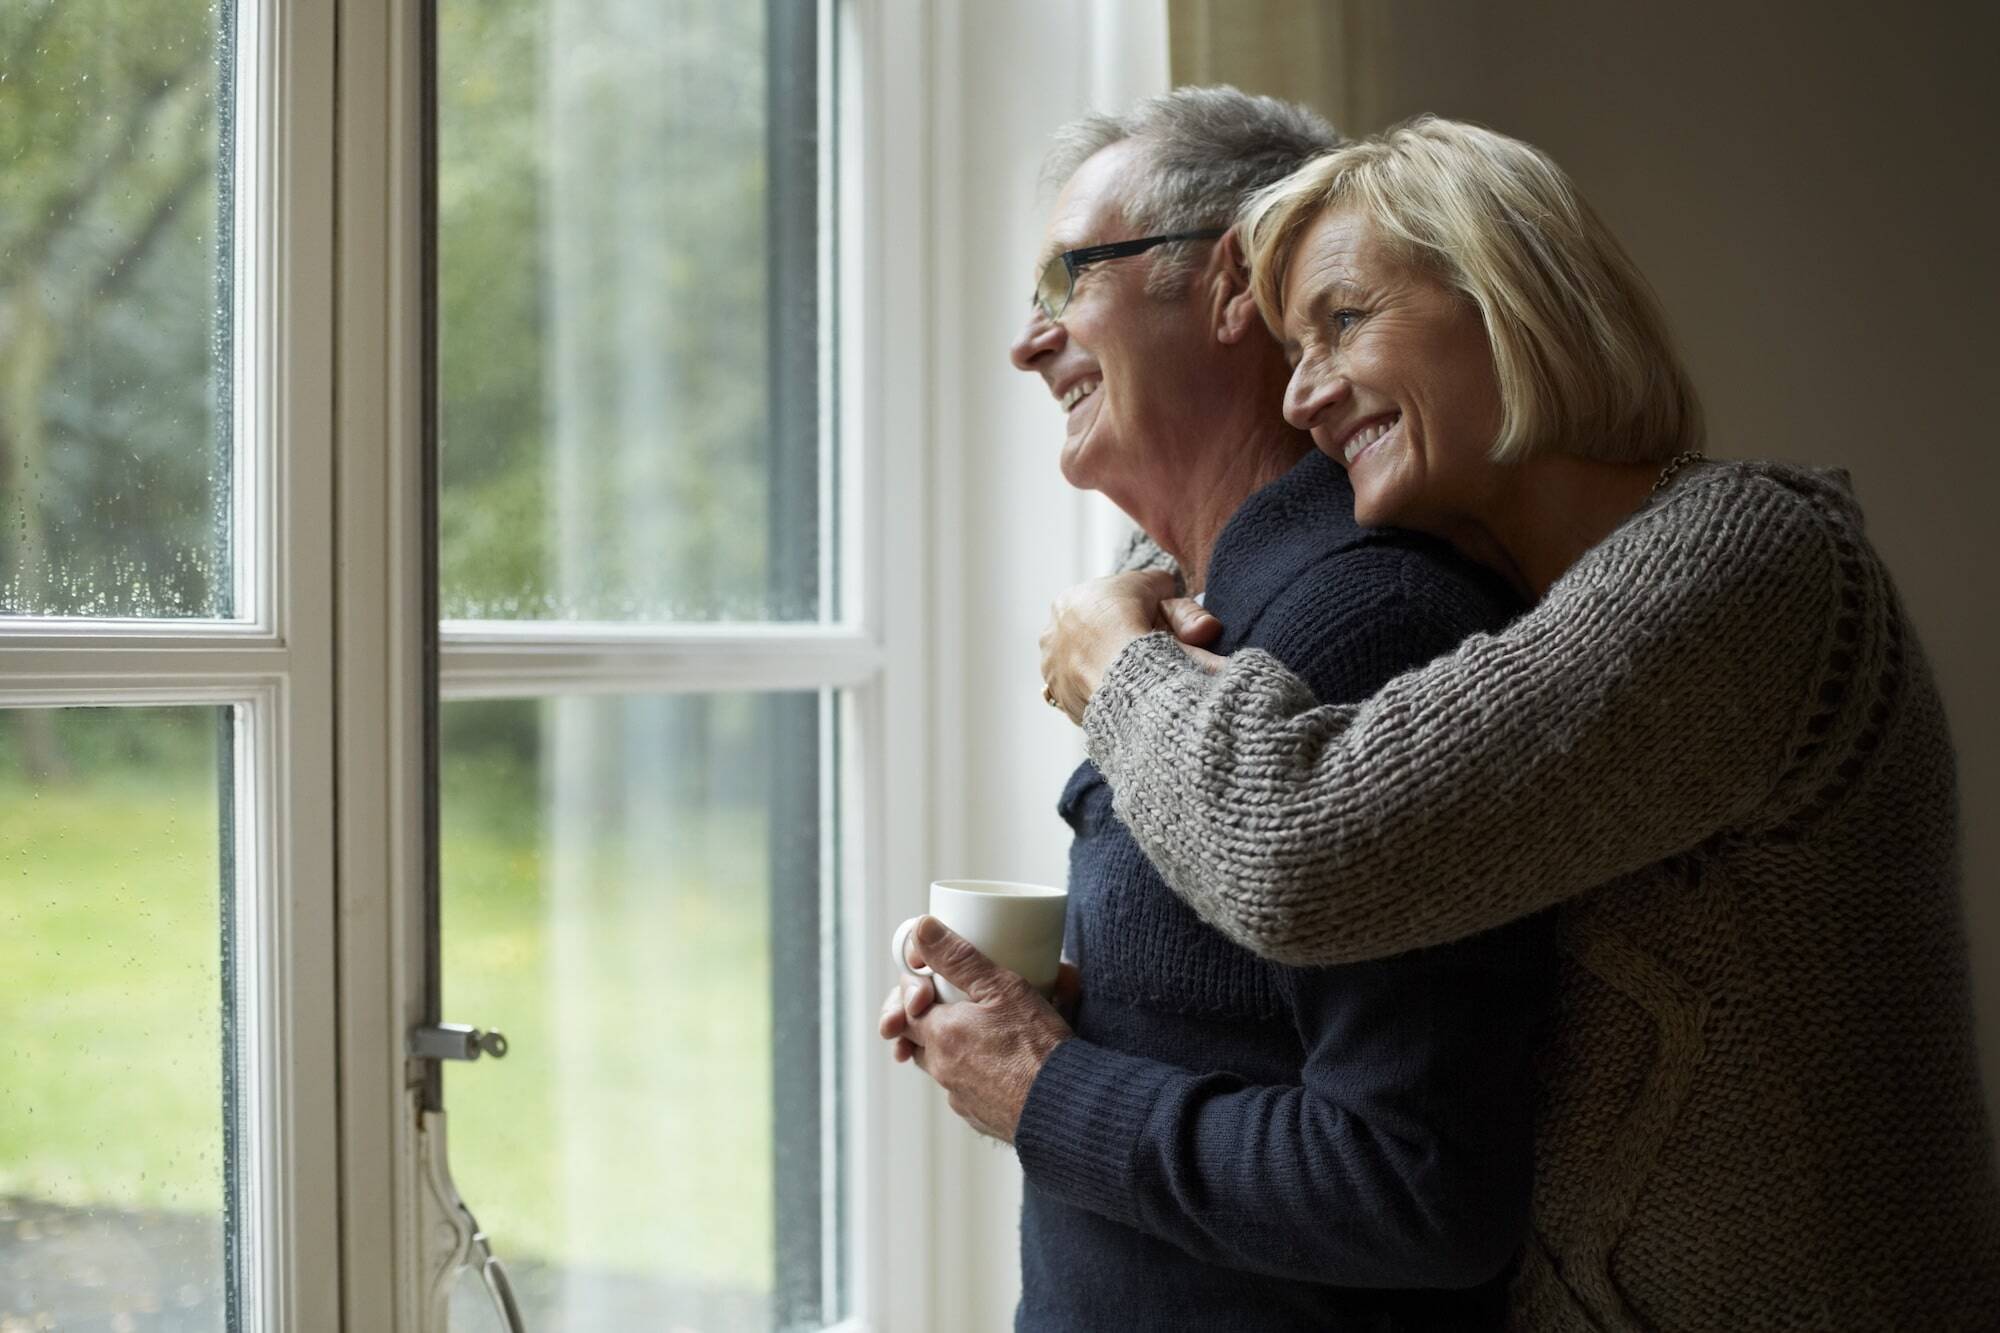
[(1221, 1142)]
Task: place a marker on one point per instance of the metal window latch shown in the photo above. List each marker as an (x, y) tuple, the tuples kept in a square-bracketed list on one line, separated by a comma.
[(455, 1041)]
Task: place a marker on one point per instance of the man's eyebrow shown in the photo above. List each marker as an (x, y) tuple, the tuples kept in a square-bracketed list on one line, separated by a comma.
[(1049, 250)]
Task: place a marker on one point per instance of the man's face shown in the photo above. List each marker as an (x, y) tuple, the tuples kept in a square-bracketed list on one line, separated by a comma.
[(1122, 364)]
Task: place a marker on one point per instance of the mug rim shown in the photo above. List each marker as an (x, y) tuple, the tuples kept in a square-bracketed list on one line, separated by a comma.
[(1000, 888)]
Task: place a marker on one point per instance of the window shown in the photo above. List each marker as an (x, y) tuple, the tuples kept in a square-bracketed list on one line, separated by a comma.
[(115, 1179), (645, 659), (165, 922), (116, 268), (657, 678)]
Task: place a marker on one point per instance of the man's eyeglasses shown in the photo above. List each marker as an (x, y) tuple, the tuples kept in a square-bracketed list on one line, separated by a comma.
[(1058, 281)]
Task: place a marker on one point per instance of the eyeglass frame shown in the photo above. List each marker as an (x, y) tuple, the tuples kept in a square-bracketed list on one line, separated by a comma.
[(1075, 261)]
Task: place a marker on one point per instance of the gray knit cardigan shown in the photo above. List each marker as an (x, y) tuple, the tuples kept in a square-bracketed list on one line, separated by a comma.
[(1717, 745)]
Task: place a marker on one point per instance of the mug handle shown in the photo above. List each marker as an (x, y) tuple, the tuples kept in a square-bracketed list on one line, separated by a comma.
[(899, 946)]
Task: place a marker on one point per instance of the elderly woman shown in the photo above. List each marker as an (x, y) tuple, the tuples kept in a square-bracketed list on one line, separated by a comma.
[(1713, 741)]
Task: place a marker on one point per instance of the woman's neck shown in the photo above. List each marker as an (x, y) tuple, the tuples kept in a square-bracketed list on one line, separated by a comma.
[(1546, 511)]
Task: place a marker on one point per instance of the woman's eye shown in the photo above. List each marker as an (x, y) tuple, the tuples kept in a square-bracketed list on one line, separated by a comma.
[(1343, 320)]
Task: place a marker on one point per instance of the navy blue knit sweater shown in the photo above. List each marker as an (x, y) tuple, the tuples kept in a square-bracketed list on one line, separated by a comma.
[(1231, 1144)]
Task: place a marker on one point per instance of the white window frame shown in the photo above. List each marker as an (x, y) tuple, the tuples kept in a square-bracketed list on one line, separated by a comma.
[(273, 664), (330, 664)]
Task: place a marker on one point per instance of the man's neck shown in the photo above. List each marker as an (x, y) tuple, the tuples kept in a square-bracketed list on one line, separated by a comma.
[(1190, 527)]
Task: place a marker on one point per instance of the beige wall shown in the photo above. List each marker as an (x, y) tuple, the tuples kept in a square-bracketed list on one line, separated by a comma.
[(1813, 188)]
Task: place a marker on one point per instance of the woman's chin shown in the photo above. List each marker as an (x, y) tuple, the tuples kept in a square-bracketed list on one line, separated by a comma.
[(1372, 509)]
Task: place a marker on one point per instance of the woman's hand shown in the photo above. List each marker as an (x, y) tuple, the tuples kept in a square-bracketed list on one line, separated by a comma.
[(1093, 622), (984, 1051)]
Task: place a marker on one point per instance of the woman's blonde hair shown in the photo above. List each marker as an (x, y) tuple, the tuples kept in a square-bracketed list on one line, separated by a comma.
[(1580, 346)]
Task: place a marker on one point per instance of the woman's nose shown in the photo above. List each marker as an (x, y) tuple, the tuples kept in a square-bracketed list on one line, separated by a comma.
[(1037, 338), (1309, 394)]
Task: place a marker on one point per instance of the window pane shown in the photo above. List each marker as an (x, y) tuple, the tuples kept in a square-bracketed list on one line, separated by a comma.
[(114, 309), (628, 236), (112, 1027), (632, 893)]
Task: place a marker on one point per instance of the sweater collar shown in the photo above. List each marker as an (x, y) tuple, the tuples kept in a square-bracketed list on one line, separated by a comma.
[(1280, 532)]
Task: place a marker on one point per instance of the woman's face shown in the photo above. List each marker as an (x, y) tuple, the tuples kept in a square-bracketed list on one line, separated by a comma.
[(1392, 374)]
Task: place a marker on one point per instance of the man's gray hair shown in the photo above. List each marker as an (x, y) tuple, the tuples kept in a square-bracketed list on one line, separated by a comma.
[(1208, 151)]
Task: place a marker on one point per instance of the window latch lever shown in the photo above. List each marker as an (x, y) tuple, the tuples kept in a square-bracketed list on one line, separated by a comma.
[(455, 1041)]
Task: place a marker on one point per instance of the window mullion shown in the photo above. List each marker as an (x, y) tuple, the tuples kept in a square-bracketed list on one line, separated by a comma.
[(489, 669), (97, 674)]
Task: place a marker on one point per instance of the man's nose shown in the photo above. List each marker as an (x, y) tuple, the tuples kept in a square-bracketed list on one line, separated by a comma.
[(1037, 338), (1310, 394)]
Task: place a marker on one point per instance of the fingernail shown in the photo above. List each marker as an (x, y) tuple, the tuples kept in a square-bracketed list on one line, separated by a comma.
[(929, 931)]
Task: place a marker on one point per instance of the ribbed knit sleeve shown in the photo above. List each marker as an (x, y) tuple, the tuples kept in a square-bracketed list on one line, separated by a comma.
[(1661, 693)]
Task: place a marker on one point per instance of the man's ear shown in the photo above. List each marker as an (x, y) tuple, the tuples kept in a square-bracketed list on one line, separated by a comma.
[(1235, 313)]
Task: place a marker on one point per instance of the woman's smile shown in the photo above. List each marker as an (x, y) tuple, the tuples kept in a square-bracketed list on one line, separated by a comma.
[(1368, 438)]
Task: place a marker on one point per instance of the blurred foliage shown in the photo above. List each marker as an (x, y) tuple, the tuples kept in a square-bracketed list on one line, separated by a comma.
[(604, 298), (605, 338), (107, 744), (492, 303), (113, 472)]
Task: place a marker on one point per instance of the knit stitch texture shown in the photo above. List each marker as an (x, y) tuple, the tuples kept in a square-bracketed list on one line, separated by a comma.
[(1229, 1143), (1716, 745)]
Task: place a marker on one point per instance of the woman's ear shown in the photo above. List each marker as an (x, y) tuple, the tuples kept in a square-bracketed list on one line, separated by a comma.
[(1235, 308)]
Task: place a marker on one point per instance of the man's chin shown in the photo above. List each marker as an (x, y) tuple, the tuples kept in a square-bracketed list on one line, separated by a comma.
[(1075, 467), (1082, 467)]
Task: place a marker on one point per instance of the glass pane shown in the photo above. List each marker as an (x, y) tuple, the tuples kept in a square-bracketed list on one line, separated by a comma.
[(112, 1025), (632, 893), (471, 1306), (115, 321), (628, 242)]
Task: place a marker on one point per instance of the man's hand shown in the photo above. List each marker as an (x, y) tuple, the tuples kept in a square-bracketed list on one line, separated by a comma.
[(984, 1051), (910, 997), (1093, 622)]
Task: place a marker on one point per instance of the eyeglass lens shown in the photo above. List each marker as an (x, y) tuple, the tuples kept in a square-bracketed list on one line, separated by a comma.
[(1052, 288)]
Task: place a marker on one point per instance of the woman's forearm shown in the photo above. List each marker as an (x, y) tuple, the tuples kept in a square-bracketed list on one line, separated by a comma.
[(1632, 715)]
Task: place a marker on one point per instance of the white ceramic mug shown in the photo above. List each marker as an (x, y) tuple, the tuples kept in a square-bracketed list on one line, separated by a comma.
[(1018, 926)]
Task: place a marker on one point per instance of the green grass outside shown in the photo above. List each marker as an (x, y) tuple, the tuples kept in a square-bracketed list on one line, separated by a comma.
[(629, 1126), (110, 992), (628, 1129)]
